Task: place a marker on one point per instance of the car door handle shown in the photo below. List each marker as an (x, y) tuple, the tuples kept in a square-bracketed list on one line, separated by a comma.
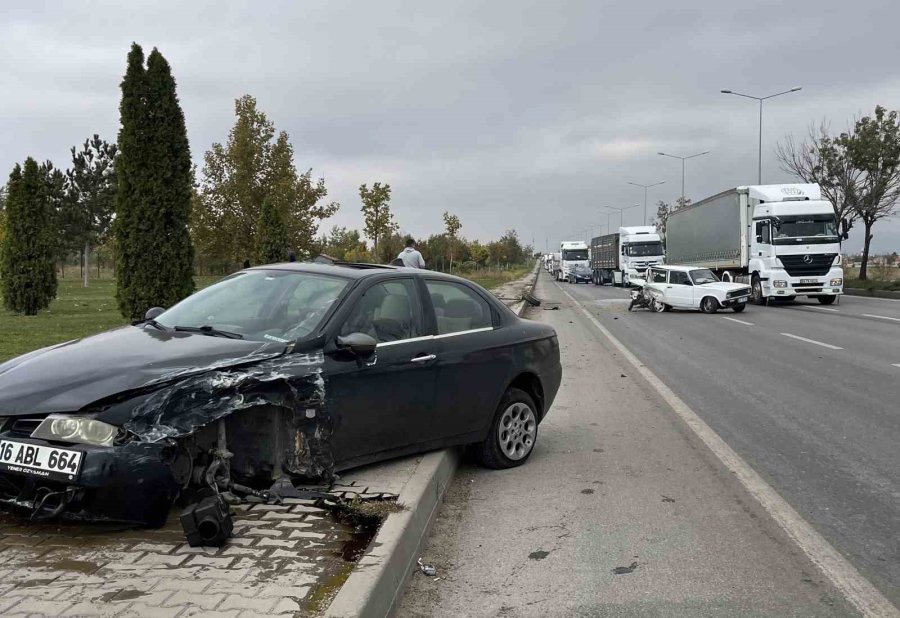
[(423, 359)]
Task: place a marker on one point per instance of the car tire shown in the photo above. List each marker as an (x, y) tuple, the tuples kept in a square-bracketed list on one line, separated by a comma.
[(709, 304), (756, 291), (657, 306), (827, 300), (513, 432), (738, 308)]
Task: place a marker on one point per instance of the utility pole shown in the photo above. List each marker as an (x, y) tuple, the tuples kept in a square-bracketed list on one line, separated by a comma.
[(645, 187), (760, 99)]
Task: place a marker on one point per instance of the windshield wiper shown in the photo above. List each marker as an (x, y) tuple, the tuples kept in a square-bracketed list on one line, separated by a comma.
[(206, 329)]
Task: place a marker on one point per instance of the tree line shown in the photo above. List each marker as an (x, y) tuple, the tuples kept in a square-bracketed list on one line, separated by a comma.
[(140, 200)]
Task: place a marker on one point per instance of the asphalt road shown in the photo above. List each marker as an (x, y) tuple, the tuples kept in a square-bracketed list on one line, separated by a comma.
[(621, 511), (808, 395)]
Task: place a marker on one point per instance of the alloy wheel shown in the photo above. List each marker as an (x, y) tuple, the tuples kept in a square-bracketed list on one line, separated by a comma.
[(517, 431)]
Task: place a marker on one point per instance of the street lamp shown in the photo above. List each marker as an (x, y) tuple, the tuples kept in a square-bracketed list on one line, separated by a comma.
[(760, 99), (645, 187), (621, 211), (683, 159)]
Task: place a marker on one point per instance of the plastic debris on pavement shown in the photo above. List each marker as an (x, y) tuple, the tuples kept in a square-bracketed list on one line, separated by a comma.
[(427, 569)]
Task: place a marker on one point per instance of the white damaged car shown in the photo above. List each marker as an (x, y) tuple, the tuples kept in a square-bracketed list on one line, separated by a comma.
[(687, 287)]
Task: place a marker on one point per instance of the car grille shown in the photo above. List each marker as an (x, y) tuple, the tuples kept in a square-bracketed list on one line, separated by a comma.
[(22, 426), (736, 293), (797, 266)]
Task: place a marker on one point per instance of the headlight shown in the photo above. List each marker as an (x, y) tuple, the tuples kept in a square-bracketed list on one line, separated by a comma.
[(779, 284), (76, 429), (837, 281)]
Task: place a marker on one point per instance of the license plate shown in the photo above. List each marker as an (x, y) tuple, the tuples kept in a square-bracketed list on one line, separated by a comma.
[(47, 462), (807, 281)]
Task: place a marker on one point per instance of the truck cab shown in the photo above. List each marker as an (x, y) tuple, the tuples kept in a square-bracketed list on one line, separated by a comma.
[(640, 247), (793, 244), (574, 265)]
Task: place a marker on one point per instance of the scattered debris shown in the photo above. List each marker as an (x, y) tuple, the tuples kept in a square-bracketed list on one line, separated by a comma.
[(668, 499), (427, 569), (623, 376), (553, 308), (587, 492), (538, 555), (625, 570)]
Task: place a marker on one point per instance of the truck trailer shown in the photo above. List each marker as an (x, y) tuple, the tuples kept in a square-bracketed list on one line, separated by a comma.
[(783, 240), (617, 258)]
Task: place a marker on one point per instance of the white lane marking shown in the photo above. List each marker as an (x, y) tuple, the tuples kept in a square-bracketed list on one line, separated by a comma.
[(880, 317), (738, 321), (819, 308), (856, 588), (813, 341)]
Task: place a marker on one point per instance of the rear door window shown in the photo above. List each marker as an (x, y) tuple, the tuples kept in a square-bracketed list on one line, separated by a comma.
[(457, 308), (659, 276)]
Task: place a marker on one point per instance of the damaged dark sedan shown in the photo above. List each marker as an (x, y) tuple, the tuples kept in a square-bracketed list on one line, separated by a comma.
[(275, 377)]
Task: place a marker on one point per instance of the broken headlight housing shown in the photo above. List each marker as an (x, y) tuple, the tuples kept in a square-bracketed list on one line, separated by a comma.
[(76, 429)]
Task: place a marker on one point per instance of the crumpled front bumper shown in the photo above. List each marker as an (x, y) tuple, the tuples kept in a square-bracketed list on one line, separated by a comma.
[(130, 483)]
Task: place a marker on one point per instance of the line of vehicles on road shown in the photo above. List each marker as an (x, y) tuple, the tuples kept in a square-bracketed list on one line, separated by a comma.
[(757, 242)]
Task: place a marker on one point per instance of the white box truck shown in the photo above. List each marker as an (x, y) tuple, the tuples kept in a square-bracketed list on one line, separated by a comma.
[(783, 240), (573, 262), (616, 258)]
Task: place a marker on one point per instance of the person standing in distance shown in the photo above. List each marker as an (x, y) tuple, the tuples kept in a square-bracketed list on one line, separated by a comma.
[(410, 256)]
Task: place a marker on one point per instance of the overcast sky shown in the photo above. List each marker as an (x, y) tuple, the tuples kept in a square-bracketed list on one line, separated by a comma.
[(525, 115)]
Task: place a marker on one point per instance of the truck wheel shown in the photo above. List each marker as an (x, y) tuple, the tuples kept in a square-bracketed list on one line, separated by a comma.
[(738, 308), (756, 291), (709, 305), (513, 432), (827, 300)]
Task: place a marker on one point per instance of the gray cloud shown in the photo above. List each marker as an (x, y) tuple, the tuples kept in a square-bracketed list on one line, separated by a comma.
[(512, 114)]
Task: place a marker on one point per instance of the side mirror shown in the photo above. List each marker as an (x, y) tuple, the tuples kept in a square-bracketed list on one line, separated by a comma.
[(359, 345), (845, 235), (153, 313), (759, 238)]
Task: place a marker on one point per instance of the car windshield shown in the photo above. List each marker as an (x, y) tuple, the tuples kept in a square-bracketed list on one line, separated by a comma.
[(820, 227), (575, 254), (639, 249), (264, 305), (703, 275)]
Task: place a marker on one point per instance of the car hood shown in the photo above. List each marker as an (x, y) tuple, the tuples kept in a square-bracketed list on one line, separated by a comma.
[(725, 286), (69, 376)]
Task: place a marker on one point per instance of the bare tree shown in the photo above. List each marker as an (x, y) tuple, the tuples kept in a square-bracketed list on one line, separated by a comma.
[(823, 160)]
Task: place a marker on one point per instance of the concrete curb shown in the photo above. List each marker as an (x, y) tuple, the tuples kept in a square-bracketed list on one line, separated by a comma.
[(372, 589), (871, 293), (373, 586)]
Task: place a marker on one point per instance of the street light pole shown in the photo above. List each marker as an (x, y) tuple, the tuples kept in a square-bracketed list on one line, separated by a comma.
[(760, 99), (683, 159), (645, 187)]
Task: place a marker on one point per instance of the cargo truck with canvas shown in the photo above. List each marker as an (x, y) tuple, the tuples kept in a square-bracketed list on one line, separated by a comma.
[(783, 240), (618, 258)]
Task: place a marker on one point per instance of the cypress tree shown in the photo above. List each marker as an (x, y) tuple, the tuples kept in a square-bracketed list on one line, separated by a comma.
[(154, 255), (27, 271), (271, 235)]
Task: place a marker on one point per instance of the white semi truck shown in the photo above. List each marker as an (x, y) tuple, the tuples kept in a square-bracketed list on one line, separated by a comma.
[(617, 258), (783, 240), (573, 261)]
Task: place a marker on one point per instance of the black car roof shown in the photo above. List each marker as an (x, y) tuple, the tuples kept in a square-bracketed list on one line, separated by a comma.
[(349, 270)]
